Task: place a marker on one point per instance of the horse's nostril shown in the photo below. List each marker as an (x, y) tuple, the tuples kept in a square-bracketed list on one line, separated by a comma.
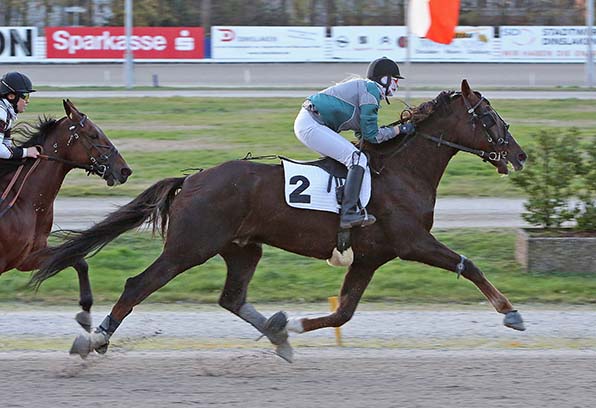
[(126, 172), (522, 157)]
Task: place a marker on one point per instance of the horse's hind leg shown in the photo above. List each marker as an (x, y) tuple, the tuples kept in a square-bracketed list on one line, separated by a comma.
[(434, 253), (355, 282), (241, 262), (136, 289)]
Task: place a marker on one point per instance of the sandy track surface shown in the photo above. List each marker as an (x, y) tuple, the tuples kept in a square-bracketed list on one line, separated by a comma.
[(208, 358), (323, 377)]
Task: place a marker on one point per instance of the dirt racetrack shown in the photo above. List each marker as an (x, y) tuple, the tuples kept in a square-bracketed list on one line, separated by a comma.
[(322, 377), (166, 356)]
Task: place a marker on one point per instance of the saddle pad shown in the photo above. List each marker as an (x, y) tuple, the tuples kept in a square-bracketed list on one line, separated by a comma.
[(306, 187)]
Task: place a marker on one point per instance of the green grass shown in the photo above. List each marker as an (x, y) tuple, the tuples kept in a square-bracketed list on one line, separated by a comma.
[(160, 137), (285, 277)]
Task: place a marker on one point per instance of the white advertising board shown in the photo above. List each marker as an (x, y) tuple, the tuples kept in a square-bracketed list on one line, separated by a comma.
[(544, 43), (268, 44), (471, 44), (17, 44), (365, 43)]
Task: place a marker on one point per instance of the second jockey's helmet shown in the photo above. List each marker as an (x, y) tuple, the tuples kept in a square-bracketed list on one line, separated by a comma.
[(15, 82)]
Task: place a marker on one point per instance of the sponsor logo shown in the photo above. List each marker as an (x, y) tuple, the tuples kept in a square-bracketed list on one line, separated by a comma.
[(111, 42), (227, 34), (342, 41), (65, 41)]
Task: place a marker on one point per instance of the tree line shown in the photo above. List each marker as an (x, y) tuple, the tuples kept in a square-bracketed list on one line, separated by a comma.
[(328, 13)]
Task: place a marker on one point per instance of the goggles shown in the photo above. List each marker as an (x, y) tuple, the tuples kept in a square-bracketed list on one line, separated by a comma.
[(25, 96)]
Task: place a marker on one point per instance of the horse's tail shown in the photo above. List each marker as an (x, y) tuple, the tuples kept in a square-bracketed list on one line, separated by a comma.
[(152, 206)]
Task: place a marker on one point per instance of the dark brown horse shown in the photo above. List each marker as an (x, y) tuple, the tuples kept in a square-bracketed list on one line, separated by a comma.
[(30, 187), (234, 208)]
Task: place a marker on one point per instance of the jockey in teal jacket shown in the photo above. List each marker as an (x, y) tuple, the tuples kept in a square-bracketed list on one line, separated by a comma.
[(351, 105)]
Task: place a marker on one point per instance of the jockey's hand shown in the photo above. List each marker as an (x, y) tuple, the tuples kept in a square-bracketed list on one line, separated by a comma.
[(32, 152), (406, 129)]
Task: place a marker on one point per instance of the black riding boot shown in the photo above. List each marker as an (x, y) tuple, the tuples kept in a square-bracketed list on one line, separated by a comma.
[(349, 215)]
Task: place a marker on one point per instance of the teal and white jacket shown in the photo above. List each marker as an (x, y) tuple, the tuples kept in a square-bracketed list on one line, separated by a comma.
[(353, 105)]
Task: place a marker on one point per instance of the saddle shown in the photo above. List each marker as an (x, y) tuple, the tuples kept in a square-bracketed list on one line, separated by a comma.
[(331, 166)]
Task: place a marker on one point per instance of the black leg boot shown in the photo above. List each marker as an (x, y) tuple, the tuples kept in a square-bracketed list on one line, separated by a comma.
[(349, 214)]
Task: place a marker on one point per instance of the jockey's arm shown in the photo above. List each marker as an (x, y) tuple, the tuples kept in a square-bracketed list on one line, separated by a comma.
[(370, 130)]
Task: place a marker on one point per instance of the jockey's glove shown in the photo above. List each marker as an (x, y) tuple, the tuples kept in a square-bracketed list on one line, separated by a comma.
[(406, 129)]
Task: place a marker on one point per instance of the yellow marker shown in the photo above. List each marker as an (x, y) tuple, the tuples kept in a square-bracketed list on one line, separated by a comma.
[(333, 307)]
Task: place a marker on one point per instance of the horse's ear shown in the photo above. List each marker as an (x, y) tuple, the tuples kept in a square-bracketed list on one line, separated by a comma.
[(71, 111), (465, 88)]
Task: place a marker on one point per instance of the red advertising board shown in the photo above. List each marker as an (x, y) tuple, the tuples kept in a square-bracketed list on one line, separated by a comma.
[(110, 42)]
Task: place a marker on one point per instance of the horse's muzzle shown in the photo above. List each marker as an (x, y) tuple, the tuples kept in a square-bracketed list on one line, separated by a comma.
[(118, 177)]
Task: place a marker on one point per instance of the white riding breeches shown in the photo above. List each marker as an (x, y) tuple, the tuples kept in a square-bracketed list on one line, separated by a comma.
[(325, 141)]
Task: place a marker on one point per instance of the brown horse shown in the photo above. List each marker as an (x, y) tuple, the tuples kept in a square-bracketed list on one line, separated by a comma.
[(30, 188), (234, 208)]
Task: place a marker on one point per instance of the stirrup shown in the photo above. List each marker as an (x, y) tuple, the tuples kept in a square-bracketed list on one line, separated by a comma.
[(350, 220)]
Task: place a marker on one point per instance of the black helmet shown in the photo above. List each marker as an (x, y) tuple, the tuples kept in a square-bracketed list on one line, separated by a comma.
[(382, 67), (15, 82)]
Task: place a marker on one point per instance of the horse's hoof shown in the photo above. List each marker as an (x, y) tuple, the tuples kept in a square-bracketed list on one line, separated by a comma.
[(84, 319), (275, 328), (81, 346), (514, 320), (103, 349), (285, 351)]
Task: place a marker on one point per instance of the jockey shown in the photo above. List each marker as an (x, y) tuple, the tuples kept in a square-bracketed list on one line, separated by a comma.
[(15, 89), (351, 105)]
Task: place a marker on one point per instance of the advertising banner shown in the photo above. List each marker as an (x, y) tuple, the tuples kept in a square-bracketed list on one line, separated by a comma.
[(365, 43), (180, 43), (268, 44), (17, 44), (545, 43), (471, 44)]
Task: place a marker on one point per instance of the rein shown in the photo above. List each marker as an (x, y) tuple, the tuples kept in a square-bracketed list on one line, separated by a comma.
[(13, 182), (471, 110)]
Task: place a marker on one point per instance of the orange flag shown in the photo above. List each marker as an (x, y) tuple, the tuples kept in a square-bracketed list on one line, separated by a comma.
[(434, 19)]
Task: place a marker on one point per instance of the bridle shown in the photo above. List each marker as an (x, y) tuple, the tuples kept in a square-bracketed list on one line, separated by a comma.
[(488, 119), (99, 165)]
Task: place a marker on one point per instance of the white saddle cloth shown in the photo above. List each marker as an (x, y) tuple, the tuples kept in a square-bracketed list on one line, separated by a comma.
[(306, 187)]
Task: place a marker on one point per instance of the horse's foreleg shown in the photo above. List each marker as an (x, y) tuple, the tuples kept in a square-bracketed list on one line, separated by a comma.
[(241, 263), (85, 295), (355, 282), (434, 253)]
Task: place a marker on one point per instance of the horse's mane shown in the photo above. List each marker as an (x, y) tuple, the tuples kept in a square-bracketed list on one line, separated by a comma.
[(439, 105), (30, 134)]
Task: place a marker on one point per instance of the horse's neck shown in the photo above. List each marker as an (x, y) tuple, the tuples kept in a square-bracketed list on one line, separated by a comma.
[(423, 162), (37, 184), (42, 184)]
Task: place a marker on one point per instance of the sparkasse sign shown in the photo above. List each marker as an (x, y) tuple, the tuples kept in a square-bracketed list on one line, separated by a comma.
[(110, 42)]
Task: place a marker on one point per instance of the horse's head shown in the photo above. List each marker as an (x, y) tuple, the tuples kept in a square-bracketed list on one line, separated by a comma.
[(481, 128), (85, 145)]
